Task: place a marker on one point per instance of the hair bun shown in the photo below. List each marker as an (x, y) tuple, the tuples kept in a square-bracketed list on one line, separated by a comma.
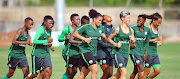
[(92, 12)]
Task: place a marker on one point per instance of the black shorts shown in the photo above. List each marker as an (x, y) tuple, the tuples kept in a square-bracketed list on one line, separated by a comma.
[(152, 61), (120, 61), (105, 61), (72, 62), (88, 59), (39, 64), (136, 59), (20, 63)]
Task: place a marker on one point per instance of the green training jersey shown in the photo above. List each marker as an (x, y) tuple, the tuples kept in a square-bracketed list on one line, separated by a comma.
[(142, 40), (152, 50), (88, 31), (41, 48), (74, 49), (18, 50), (62, 37), (124, 39)]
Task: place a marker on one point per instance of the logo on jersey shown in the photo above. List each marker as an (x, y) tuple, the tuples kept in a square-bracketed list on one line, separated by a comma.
[(100, 31), (108, 29), (145, 33), (90, 61), (104, 61), (120, 65)]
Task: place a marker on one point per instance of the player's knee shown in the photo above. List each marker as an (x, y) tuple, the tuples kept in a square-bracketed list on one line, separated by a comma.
[(10, 74), (26, 73), (157, 71), (124, 72), (140, 69), (110, 74), (94, 71), (48, 73)]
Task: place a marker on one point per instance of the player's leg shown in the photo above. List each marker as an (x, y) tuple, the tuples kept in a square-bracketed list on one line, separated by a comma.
[(47, 66), (105, 67), (156, 66), (12, 63)]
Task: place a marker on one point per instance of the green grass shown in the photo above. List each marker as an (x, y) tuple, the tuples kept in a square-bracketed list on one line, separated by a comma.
[(168, 53)]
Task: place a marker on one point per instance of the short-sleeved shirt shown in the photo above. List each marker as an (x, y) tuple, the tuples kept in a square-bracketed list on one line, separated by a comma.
[(88, 31), (142, 40), (152, 50)]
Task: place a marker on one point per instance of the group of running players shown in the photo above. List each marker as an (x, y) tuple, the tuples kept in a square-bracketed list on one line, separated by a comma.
[(90, 42)]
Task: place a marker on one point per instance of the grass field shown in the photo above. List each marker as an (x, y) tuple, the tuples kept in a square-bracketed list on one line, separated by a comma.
[(169, 56)]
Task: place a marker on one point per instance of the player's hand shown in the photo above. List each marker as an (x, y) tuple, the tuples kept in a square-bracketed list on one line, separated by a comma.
[(159, 43), (145, 58), (50, 40), (103, 35), (68, 36), (133, 45), (87, 40), (30, 43), (118, 44), (52, 49), (49, 44)]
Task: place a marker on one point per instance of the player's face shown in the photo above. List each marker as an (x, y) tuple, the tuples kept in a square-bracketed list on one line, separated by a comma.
[(29, 24), (98, 21), (76, 20), (107, 18), (157, 22), (126, 19), (140, 21), (49, 24)]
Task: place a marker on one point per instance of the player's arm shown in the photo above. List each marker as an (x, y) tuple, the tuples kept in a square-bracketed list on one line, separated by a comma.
[(77, 35), (71, 40), (36, 40), (15, 39), (132, 39), (112, 35), (147, 45), (52, 49), (156, 39), (30, 42), (104, 38), (63, 36)]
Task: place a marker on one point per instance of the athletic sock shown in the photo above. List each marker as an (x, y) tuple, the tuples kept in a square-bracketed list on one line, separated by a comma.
[(148, 77), (65, 76), (5, 77)]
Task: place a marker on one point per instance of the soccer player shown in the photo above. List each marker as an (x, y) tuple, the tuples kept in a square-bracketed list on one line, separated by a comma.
[(41, 60), (103, 50), (155, 39), (16, 54), (139, 49), (90, 34), (123, 34), (74, 50), (65, 35)]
